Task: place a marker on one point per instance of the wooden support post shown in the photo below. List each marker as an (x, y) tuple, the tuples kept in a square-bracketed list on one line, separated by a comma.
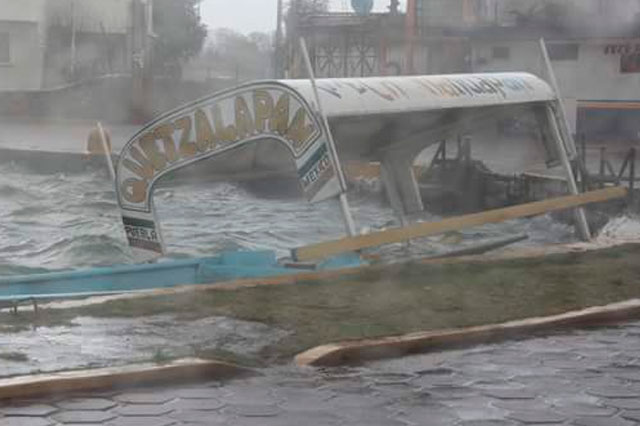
[(326, 249)]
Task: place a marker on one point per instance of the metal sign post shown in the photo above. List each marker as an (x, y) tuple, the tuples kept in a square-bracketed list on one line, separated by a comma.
[(565, 127), (344, 203), (107, 151), (566, 144)]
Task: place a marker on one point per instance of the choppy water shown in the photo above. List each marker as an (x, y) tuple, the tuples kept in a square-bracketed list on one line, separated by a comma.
[(64, 221)]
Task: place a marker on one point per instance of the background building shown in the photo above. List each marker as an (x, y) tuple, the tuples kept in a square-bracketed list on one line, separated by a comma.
[(594, 47), (47, 43), (21, 44)]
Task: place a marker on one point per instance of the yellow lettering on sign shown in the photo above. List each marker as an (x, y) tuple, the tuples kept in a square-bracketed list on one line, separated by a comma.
[(205, 137), (164, 133), (225, 133), (299, 132), (263, 108), (280, 119), (150, 148), (187, 148), (134, 190), (244, 122), (144, 169)]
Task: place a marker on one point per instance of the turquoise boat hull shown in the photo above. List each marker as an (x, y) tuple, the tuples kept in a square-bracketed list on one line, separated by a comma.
[(130, 278)]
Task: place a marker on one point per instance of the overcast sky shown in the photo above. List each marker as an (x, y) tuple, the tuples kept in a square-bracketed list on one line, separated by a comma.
[(257, 15)]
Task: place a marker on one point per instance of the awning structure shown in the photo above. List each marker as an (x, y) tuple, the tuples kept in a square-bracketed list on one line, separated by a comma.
[(361, 113), (402, 95)]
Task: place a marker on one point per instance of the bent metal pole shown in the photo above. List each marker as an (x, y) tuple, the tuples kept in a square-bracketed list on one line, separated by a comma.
[(344, 202), (581, 220)]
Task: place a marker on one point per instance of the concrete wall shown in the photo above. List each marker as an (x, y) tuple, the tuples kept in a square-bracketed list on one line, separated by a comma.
[(24, 70), (22, 10), (461, 13), (111, 16), (595, 75), (20, 23)]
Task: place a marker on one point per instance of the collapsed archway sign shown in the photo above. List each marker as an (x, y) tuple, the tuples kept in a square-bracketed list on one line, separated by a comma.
[(211, 127)]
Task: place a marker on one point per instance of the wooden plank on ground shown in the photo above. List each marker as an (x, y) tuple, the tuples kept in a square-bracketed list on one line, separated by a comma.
[(329, 248), (77, 381), (335, 354)]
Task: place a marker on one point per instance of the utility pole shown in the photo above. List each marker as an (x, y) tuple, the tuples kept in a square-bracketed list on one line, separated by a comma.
[(410, 35), (72, 65), (142, 30), (278, 66)]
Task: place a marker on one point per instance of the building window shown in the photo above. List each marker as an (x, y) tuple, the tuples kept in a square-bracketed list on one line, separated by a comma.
[(5, 48), (500, 52), (563, 51), (630, 63)]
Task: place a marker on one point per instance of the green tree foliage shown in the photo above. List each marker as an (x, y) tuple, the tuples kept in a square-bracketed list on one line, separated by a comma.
[(179, 34)]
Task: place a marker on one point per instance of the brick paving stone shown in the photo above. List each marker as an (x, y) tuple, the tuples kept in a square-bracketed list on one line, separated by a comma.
[(391, 378), (35, 410), (200, 393), (419, 416), (488, 384), (253, 410), (25, 421), (601, 421), (297, 419), (624, 404), (306, 400), (354, 401), (631, 415), (378, 416), (144, 397), (478, 413), (476, 409), (450, 392), (347, 388), (438, 371), (630, 376), (199, 417), (487, 423), (142, 421), (521, 405), (582, 409), (597, 385), (195, 404), (509, 393), (143, 410), (70, 417), (246, 395), (536, 417), (614, 392), (86, 404), (393, 392), (442, 381)]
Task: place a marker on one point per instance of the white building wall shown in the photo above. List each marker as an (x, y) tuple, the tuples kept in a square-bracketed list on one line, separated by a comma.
[(461, 13), (21, 24), (97, 16), (593, 76), (22, 10)]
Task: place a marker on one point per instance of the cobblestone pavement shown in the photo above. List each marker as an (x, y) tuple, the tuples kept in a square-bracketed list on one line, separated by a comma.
[(585, 378)]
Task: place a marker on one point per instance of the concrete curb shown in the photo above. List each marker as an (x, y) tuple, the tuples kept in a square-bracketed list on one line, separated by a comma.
[(116, 377), (396, 346)]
